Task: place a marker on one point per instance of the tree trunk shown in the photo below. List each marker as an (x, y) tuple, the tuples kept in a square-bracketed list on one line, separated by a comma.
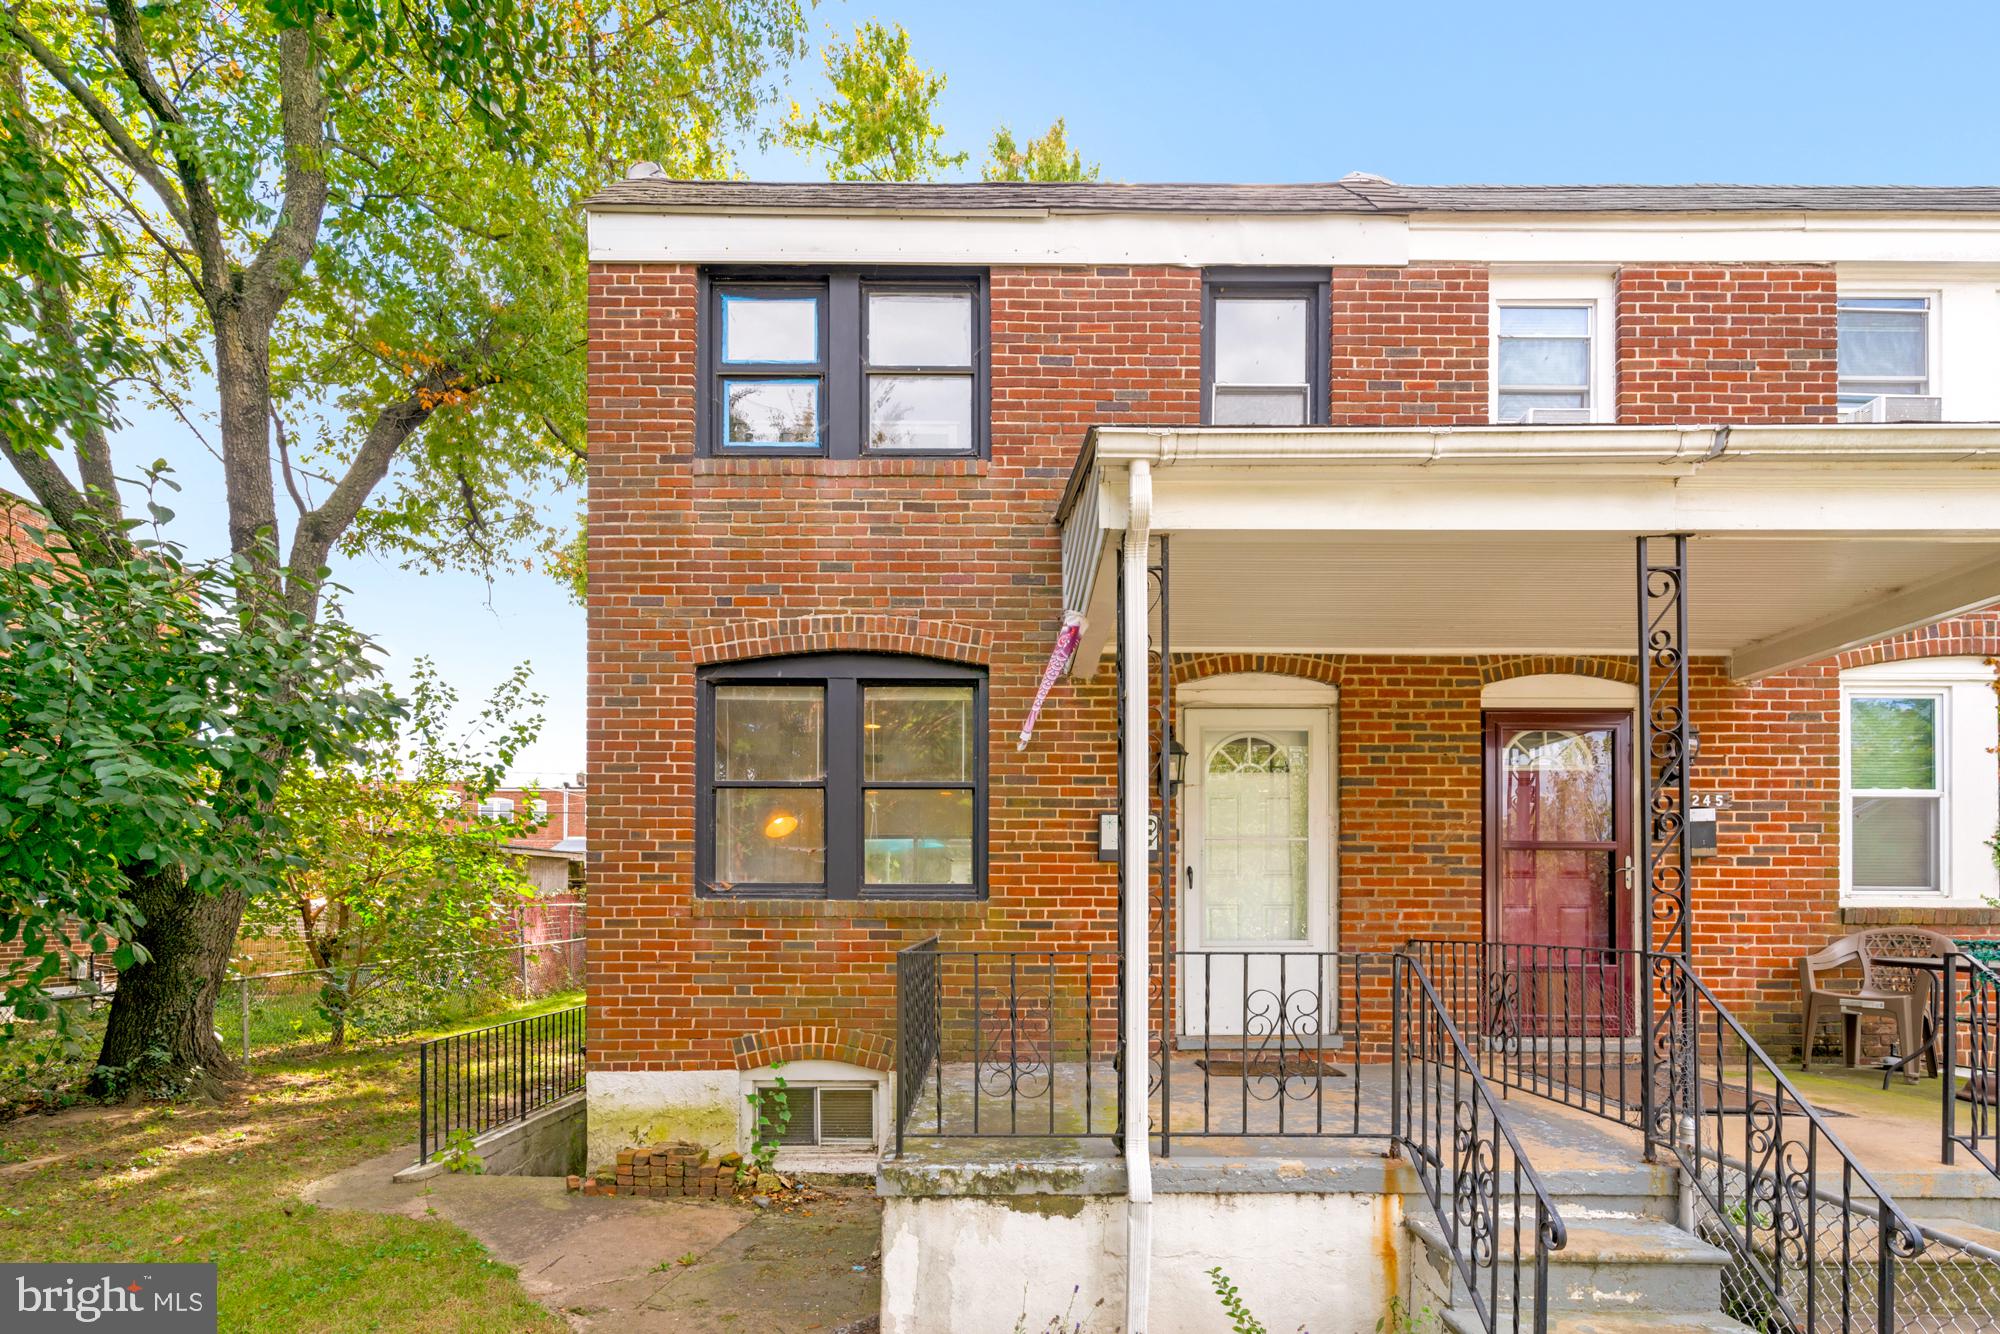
[(162, 1026)]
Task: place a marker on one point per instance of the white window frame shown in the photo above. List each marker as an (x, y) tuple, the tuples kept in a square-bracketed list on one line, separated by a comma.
[(1595, 289), (1969, 786), (800, 1075), (1933, 299)]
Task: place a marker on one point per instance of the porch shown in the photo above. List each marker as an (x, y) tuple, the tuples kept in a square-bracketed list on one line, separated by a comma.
[(1293, 1031)]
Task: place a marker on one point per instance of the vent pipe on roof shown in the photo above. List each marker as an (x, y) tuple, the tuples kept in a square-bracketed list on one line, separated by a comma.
[(645, 171)]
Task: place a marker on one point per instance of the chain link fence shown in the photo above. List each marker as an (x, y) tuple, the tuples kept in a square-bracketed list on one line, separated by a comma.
[(262, 1014)]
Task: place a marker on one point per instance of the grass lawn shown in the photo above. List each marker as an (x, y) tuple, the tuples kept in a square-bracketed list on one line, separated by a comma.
[(179, 1182)]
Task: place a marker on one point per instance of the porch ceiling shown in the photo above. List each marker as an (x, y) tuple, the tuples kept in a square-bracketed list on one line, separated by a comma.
[(1803, 541), (1494, 593)]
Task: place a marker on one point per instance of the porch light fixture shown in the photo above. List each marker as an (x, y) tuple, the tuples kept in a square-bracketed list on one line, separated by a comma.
[(1176, 765)]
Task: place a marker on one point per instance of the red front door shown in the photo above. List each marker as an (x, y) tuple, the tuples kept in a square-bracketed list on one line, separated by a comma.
[(1558, 840), (1558, 829)]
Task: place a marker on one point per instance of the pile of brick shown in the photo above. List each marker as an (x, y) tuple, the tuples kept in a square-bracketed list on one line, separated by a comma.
[(665, 1171)]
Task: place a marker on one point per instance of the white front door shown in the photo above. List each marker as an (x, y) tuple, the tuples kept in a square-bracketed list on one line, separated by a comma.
[(1257, 811)]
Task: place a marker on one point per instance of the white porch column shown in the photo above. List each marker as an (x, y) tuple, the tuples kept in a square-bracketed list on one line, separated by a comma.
[(1136, 864)]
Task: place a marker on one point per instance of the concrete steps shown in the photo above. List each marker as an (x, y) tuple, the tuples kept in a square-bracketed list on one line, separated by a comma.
[(1627, 1269)]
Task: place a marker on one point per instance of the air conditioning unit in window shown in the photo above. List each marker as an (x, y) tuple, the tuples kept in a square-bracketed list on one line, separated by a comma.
[(1556, 417), (1897, 408)]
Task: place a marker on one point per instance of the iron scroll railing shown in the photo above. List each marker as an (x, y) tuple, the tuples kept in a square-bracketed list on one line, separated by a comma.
[(1488, 1199), (483, 1079), (1022, 1044), (1971, 1040), (1019, 1044), (1813, 1243), (1557, 1021)]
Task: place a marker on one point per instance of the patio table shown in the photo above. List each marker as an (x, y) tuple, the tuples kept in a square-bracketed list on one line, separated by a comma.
[(1932, 969)]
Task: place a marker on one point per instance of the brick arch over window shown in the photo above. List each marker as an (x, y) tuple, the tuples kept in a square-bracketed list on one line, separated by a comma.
[(1974, 636), (1323, 668), (803, 1042), (841, 633), (1624, 670)]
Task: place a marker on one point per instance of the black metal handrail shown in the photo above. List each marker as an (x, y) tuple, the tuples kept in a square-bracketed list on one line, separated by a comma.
[(1017, 1044), (1562, 1022), (1479, 1180), (485, 1078), (1813, 1243), (1971, 1040)]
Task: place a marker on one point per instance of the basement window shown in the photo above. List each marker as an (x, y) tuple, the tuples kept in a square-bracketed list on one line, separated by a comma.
[(823, 1116)]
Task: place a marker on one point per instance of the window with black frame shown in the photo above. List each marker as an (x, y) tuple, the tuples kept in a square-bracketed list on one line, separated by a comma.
[(842, 776), (1265, 347), (845, 364)]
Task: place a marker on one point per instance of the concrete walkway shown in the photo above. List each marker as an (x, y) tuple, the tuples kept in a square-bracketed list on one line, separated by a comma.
[(617, 1264)]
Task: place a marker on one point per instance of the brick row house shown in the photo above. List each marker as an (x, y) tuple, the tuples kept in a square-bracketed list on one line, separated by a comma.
[(1313, 533)]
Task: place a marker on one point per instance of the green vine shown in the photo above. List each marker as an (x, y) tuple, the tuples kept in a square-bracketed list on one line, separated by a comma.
[(772, 1110)]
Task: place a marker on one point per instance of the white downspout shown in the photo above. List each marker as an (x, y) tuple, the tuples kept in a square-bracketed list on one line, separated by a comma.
[(1136, 785)]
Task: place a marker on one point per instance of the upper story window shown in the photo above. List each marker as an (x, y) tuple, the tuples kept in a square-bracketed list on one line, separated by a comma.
[(843, 364), (841, 776), (1545, 354), (1920, 794), (1884, 347), (1264, 347)]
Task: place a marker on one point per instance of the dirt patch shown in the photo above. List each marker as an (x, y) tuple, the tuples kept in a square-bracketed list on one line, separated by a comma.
[(636, 1266)]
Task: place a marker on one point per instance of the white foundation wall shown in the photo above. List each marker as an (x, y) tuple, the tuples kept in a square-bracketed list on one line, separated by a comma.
[(987, 1264), (630, 1109)]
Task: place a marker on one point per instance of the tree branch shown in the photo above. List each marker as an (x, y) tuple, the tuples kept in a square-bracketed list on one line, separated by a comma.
[(203, 219), (129, 149), (302, 111), (394, 424), (285, 463)]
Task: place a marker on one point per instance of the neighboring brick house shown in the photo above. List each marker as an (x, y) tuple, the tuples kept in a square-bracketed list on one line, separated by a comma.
[(21, 527), (855, 450)]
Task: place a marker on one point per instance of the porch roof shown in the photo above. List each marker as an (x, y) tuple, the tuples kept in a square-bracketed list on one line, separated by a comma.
[(1804, 539)]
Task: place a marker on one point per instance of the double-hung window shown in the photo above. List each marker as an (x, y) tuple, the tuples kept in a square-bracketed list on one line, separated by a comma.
[(1264, 347), (1884, 347), (841, 776), (1920, 797), (1545, 355), (771, 367), (843, 364)]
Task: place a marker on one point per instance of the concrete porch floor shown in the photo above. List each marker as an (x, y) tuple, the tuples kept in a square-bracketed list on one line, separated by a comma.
[(1338, 1124)]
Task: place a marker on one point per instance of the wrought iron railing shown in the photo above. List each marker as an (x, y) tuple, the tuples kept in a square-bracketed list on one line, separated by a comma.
[(1492, 1208), (1006, 1043), (1971, 1041), (1813, 1243), (1278, 1043), (1558, 1021), (483, 1079)]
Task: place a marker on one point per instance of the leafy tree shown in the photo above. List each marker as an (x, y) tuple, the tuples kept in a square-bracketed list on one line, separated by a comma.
[(880, 124), (1046, 158), (355, 224), (389, 876), (142, 709)]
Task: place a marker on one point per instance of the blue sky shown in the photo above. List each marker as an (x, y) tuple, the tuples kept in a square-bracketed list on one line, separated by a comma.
[(1751, 91)]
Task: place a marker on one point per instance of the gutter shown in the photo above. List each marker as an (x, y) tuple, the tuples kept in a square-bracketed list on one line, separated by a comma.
[(1137, 868)]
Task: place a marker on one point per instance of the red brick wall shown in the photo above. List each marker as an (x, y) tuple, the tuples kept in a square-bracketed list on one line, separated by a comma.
[(1410, 346), (693, 560), (699, 560), (1727, 343)]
